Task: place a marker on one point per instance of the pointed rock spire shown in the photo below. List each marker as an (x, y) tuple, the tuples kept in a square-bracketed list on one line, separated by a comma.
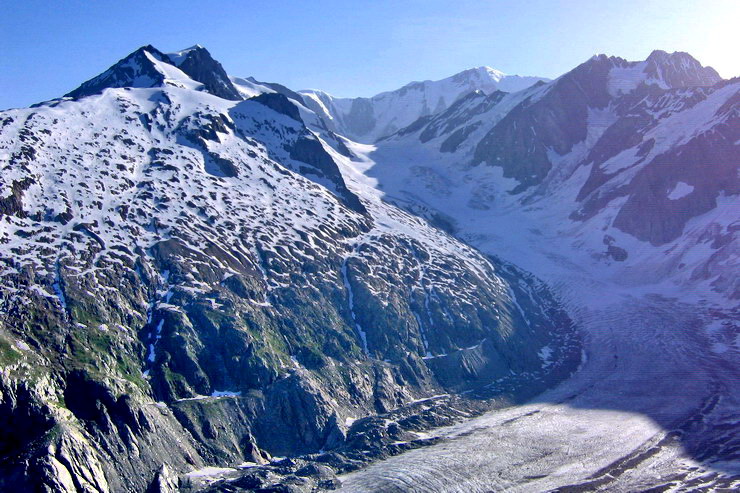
[(198, 63)]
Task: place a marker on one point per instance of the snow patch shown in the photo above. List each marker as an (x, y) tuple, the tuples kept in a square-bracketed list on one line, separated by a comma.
[(226, 393), (545, 355), (680, 190), (624, 80), (210, 471)]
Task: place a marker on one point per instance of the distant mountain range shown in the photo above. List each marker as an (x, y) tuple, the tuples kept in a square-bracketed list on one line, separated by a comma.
[(367, 119)]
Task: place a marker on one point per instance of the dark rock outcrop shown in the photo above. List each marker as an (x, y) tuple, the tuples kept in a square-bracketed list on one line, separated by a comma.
[(198, 63), (135, 70)]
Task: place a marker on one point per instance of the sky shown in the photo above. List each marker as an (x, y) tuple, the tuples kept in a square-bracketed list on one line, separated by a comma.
[(351, 47)]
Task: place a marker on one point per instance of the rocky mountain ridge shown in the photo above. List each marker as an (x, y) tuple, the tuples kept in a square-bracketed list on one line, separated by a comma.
[(201, 272), (639, 159)]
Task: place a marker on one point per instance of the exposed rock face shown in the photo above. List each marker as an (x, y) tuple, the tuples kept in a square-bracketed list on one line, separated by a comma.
[(13, 204), (197, 63), (679, 69), (136, 70), (708, 164), (189, 281), (521, 142), (629, 99)]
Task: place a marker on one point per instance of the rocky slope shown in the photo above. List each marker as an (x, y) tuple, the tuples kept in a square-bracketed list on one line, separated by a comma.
[(368, 119), (190, 279)]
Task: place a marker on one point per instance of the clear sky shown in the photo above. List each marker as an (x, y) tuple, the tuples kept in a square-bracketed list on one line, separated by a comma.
[(352, 48)]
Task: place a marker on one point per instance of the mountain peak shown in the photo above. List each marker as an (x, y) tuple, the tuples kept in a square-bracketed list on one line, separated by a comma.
[(369, 119), (483, 71), (138, 69), (148, 67), (198, 63), (662, 55), (177, 57), (665, 70), (679, 69)]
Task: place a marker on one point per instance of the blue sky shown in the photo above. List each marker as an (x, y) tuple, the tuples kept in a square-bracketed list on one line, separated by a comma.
[(352, 48)]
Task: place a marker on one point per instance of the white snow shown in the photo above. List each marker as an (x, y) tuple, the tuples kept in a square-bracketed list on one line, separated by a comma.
[(623, 80), (226, 393), (680, 190), (157, 336), (210, 471), (545, 355), (351, 300), (173, 75)]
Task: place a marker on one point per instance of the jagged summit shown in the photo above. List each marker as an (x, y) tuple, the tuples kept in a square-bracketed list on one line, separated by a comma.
[(679, 69), (178, 56), (198, 63), (138, 69), (665, 70), (193, 68)]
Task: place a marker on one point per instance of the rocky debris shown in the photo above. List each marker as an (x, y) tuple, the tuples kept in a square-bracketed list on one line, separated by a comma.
[(286, 476), (368, 439), (164, 482), (13, 203)]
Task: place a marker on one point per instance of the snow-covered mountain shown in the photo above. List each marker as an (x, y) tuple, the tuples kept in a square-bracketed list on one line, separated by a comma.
[(633, 165), (192, 277), (368, 119)]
